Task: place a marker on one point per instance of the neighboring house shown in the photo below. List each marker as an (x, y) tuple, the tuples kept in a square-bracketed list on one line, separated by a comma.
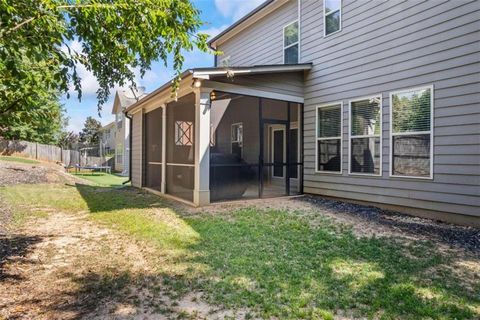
[(374, 102), (108, 134), (123, 99)]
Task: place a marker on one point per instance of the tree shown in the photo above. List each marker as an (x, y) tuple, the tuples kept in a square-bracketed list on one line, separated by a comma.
[(116, 36), (40, 121), (68, 140), (90, 134)]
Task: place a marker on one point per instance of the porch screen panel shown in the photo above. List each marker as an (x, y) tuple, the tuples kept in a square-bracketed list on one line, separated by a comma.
[(234, 147), (181, 147), (153, 148)]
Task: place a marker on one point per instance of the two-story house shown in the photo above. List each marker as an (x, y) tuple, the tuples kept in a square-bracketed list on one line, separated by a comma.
[(368, 101), (123, 99)]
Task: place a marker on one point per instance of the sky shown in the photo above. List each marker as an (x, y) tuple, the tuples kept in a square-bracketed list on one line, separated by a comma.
[(216, 14)]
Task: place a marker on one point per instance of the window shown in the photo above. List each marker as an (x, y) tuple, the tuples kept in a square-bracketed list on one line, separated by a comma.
[(237, 139), (329, 138), (411, 126), (183, 133), (118, 120), (332, 16), (366, 136), (290, 43), (119, 152)]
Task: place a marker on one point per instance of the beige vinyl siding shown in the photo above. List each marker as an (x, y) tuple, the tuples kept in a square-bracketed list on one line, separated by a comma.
[(384, 47), (261, 43), (137, 141)]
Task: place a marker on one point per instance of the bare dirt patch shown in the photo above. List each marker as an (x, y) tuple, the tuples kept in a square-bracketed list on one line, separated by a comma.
[(22, 173), (66, 267)]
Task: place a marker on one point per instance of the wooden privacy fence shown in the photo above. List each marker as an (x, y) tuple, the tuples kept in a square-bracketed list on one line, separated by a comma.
[(46, 152)]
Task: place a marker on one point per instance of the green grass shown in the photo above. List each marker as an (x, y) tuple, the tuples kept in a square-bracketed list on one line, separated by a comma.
[(103, 179), (276, 263), (18, 159)]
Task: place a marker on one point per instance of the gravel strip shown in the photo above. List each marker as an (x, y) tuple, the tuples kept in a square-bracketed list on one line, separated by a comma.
[(454, 235)]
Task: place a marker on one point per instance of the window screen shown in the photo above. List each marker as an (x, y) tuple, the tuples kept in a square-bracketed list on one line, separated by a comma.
[(332, 16), (365, 136), (329, 138), (290, 43), (411, 128)]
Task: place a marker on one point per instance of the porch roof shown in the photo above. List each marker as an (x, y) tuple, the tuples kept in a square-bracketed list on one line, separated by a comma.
[(210, 73), (206, 73)]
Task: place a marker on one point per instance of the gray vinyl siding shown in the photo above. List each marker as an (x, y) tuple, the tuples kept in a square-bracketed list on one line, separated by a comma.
[(384, 47), (261, 43), (137, 131)]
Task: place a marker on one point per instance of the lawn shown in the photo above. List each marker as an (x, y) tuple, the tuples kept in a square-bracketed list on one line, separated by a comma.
[(103, 179), (18, 159), (277, 264)]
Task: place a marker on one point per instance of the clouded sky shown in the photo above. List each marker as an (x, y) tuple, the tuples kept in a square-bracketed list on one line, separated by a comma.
[(217, 15)]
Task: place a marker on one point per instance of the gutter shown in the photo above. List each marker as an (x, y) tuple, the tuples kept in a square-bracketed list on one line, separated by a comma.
[(131, 149)]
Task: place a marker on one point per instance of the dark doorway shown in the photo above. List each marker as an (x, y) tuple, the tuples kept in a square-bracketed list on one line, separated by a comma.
[(254, 147)]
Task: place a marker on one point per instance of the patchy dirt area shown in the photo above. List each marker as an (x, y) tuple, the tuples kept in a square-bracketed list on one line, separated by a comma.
[(22, 173), (66, 267)]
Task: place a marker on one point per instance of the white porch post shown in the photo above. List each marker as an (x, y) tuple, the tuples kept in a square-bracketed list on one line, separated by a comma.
[(163, 185), (201, 192)]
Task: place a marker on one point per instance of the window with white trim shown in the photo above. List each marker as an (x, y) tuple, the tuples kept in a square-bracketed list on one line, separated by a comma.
[(365, 136), (183, 133), (290, 43), (329, 138), (119, 153), (411, 123), (332, 16), (237, 139)]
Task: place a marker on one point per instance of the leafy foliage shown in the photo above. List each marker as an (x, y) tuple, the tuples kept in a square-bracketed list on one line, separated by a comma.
[(68, 140), (41, 121), (411, 111), (90, 134), (116, 36)]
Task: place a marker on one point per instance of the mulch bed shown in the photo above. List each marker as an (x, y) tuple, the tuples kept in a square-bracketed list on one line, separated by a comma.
[(454, 235)]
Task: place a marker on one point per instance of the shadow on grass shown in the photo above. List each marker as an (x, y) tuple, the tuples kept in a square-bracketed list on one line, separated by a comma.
[(14, 247), (279, 265), (100, 198)]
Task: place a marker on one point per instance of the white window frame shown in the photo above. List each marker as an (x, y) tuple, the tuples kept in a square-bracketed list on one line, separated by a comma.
[(377, 96), (325, 19), (317, 138), (412, 133), (236, 141), (292, 44)]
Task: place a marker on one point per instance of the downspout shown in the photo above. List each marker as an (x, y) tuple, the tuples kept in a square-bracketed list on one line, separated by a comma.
[(130, 133)]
